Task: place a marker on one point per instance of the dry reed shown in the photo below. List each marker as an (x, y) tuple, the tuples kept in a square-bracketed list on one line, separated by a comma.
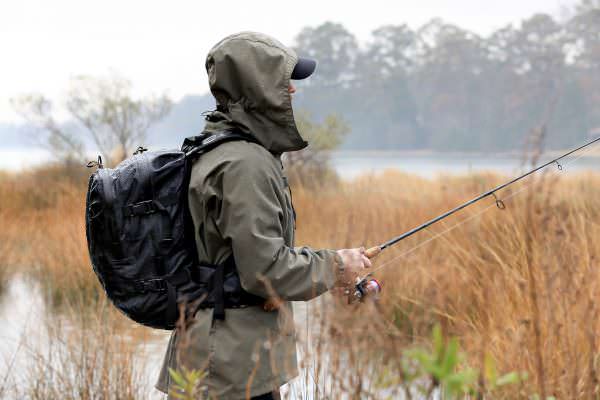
[(79, 358), (518, 285)]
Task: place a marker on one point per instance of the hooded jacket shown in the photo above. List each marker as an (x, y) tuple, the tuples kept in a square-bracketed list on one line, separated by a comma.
[(241, 205)]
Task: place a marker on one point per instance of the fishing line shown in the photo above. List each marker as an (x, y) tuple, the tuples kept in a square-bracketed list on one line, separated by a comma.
[(560, 168)]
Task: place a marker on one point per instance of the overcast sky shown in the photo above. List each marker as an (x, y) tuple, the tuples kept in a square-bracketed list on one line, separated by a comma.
[(161, 45)]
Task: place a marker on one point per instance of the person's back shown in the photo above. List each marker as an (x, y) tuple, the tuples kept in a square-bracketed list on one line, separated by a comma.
[(243, 215)]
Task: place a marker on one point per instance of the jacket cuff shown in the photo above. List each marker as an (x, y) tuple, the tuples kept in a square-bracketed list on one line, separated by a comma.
[(339, 269)]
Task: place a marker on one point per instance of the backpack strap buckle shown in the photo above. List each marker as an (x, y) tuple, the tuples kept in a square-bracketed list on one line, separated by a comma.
[(142, 208), (151, 285)]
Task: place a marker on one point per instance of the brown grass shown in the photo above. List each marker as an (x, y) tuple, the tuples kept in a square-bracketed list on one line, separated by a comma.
[(520, 285), (79, 358), (42, 216)]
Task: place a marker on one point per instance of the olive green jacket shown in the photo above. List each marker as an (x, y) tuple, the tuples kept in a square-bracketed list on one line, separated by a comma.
[(240, 203)]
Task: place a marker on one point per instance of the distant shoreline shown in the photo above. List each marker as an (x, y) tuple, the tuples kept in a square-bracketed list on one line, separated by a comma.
[(354, 162), (452, 154), (357, 152)]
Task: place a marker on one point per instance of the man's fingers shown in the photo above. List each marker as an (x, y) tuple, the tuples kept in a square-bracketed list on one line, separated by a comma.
[(366, 262)]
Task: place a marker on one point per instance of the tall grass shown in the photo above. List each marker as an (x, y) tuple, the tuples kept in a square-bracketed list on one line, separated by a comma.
[(10, 238), (42, 215), (78, 358), (517, 286), (6, 251), (520, 285)]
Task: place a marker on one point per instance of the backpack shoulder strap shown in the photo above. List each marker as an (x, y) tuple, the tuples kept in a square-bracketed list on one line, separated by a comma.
[(197, 145)]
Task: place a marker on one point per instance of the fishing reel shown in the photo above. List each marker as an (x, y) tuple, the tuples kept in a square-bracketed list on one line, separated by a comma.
[(366, 287)]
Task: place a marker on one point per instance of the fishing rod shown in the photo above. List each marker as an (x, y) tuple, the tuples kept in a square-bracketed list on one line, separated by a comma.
[(365, 286)]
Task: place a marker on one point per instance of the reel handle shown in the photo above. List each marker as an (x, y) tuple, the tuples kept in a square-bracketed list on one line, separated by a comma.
[(366, 287)]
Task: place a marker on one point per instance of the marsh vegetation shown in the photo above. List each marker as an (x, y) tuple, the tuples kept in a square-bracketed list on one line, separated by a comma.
[(517, 289)]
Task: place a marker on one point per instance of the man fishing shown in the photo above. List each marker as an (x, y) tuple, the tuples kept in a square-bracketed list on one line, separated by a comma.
[(243, 217)]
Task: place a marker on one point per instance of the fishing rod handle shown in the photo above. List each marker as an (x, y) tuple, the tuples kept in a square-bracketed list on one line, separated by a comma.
[(373, 252)]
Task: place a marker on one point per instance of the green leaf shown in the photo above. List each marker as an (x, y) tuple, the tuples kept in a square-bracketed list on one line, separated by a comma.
[(177, 377), (450, 359), (489, 368), (459, 383), (508, 379), (438, 342)]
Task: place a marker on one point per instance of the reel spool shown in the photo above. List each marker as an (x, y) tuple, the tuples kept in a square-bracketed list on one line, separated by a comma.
[(365, 288)]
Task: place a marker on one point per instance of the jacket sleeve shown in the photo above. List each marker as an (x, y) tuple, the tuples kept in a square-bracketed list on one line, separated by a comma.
[(251, 219)]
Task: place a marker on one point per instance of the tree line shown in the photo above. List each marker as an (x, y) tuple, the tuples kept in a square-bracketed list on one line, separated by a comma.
[(438, 87), (443, 87)]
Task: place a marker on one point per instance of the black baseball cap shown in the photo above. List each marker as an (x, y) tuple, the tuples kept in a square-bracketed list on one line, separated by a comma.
[(304, 68)]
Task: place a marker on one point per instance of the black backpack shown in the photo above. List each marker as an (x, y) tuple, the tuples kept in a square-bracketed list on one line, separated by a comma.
[(141, 237)]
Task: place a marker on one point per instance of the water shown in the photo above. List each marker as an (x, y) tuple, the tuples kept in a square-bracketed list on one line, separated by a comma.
[(349, 165), (352, 164), (21, 309), (23, 337), (14, 159)]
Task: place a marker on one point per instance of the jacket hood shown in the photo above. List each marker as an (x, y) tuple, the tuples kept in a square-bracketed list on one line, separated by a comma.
[(249, 75)]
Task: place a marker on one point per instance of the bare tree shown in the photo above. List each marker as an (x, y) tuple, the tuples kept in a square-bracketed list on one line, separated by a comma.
[(106, 113), (38, 111)]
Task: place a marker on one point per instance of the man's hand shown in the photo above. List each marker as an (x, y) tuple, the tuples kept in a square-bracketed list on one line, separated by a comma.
[(352, 264), (355, 261)]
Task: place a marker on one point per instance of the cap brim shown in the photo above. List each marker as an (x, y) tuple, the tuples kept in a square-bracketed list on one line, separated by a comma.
[(304, 68)]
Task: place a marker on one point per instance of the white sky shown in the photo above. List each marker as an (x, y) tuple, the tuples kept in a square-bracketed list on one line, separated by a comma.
[(161, 45)]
